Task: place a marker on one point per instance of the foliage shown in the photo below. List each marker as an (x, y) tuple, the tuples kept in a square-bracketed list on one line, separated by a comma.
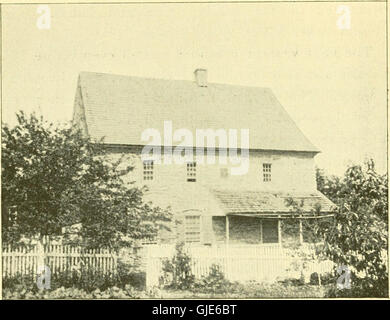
[(252, 290), (357, 237), (177, 273), (53, 177), (87, 280), (71, 293), (79, 284), (235, 290), (19, 282), (214, 282), (361, 186), (310, 227), (329, 185), (127, 275)]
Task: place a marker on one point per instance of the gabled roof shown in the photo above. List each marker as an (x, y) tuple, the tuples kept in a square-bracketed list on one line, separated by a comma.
[(120, 108)]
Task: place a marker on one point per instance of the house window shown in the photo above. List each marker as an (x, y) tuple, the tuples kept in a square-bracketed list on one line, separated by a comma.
[(224, 172), (266, 172), (191, 172), (192, 228), (148, 169)]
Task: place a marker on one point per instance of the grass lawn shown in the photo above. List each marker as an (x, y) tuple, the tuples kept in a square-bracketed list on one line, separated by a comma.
[(255, 290)]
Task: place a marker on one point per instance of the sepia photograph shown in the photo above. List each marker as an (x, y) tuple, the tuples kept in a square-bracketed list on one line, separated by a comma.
[(211, 150)]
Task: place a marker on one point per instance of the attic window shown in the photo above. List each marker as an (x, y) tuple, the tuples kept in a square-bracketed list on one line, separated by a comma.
[(148, 169), (266, 172), (191, 172)]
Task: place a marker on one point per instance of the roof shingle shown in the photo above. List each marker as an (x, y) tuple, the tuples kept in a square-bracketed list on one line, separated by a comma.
[(120, 108), (252, 202)]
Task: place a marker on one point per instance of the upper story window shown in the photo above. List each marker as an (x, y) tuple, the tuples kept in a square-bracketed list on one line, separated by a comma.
[(191, 172), (148, 169), (192, 228), (266, 172)]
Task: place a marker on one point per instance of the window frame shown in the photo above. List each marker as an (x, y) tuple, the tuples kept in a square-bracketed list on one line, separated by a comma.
[(148, 170), (267, 172), (191, 171), (195, 230)]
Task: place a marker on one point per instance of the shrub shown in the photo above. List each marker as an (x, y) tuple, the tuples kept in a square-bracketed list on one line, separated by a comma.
[(314, 278), (128, 275), (292, 282), (72, 284), (86, 280), (177, 273), (71, 293), (359, 288), (20, 281), (214, 282)]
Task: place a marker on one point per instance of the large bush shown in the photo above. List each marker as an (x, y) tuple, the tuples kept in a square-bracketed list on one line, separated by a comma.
[(357, 238), (214, 282), (86, 280), (53, 177)]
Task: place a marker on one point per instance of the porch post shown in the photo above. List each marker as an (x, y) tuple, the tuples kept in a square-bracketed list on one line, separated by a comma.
[(261, 230), (280, 231), (227, 229), (300, 231)]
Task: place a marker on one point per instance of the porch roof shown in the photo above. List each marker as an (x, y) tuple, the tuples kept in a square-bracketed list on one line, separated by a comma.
[(269, 204)]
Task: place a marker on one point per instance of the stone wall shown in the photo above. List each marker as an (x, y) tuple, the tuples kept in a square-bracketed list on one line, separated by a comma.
[(290, 172), (245, 230)]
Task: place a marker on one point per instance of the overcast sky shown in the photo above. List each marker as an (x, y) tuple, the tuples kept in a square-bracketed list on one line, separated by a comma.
[(332, 82)]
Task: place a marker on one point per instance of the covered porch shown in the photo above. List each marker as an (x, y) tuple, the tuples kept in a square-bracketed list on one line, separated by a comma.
[(236, 229), (267, 218), (252, 217), (262, 230)]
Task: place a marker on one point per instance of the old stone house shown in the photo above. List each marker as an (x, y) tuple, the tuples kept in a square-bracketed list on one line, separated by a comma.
[(211, 205)]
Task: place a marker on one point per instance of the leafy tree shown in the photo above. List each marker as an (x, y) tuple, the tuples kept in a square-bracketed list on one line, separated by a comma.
[(53, 177), (331, 186), (357, 237), (361, 185)]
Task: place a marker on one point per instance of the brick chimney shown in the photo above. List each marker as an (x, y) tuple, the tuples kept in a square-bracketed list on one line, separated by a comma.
[(201, 77)]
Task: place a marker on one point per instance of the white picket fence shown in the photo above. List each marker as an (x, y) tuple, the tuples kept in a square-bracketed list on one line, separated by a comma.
[(23, 260), (238, 262)]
